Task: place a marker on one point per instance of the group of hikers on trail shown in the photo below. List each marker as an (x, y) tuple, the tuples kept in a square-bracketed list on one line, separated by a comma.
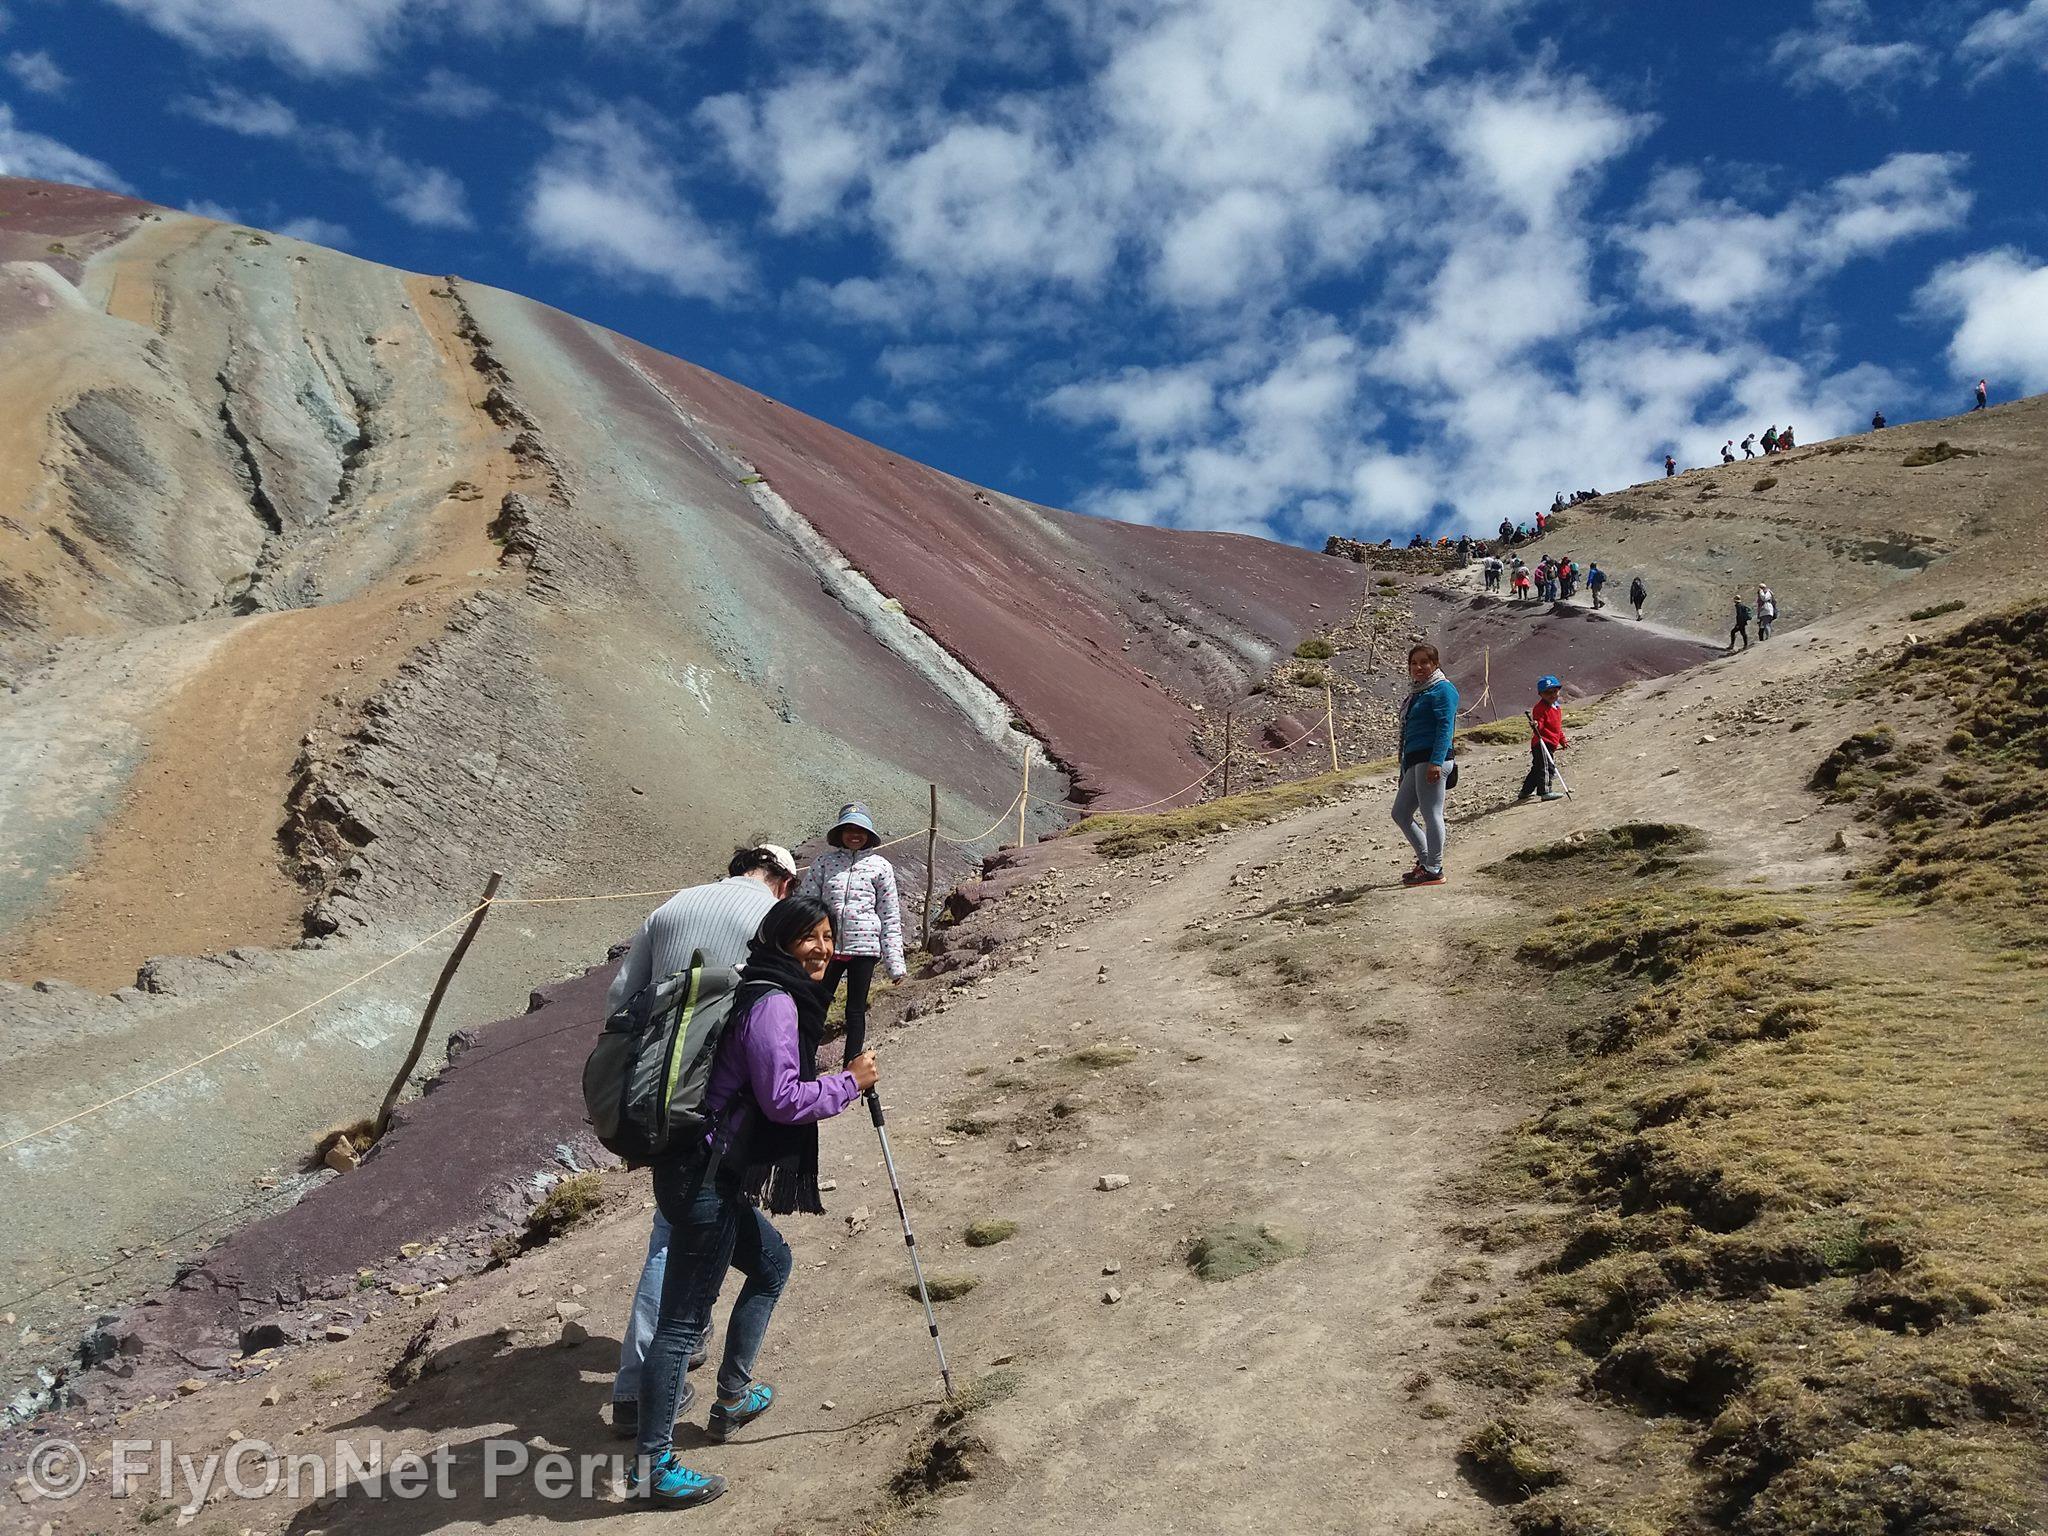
[(1555, 580), (791, 939), (1765, 614)]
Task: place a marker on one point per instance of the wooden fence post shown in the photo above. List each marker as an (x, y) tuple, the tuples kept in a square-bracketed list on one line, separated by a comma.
[(1024, 799), (419, 1039), (1226, 755), (931, 847), (1330, 723)]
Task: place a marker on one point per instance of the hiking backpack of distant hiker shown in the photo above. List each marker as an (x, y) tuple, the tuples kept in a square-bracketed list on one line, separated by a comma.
[(645, 1079)]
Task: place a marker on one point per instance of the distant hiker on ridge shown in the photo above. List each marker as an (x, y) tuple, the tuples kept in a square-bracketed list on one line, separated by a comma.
[(1749, 446), (1595, 580), (1429, 719), (1670, 466), (1728, 451), (1638, 594), (1877, 421), (858, 887), (1770, 439), (718, 919), (1983, 396)]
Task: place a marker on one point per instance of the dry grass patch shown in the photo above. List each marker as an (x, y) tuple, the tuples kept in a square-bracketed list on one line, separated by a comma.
[(1513, 730), (1807, 1221), (1125, 835)]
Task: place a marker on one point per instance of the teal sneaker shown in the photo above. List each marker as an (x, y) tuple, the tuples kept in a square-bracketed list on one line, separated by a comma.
[(675, 1485), (725, 1418)]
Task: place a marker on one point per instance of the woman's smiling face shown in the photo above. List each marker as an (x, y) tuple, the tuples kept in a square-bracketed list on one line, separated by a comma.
[(813, 951)]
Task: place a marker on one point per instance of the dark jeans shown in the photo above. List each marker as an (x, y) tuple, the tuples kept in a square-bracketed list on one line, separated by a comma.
[(1538, 781), (859, 971), (714, 1232), (1742, 630)]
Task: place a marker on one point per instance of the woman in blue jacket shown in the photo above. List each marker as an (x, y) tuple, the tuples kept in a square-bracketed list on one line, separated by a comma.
[(1429, 716)]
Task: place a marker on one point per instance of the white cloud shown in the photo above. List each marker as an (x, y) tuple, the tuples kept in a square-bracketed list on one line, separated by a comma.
[(605, 198), (317, 231), (1834, 50), (316, 36), (425, 195), (1716, 258), (1144, 405), (354, 37), (1528, 143), (41, 158), (38, 72), (2015, 36), (1999, 302), (444, 93)]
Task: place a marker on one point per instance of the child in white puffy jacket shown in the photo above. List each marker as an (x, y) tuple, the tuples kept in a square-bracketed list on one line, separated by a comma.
[(859, 886)]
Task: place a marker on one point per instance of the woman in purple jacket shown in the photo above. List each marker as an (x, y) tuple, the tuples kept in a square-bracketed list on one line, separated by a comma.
[(765, 1098)]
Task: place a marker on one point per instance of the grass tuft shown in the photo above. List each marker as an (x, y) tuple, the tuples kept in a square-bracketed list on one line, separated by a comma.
[(1239, 1248), (989, 1231), (568, 1205), (1127, 835)]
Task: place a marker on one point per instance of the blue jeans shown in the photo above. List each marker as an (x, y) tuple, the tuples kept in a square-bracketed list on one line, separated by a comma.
[(715, 1232), (639, 1329), (1420, 797)]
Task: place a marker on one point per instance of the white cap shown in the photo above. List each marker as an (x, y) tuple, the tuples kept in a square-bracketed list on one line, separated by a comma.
[(782, 856)]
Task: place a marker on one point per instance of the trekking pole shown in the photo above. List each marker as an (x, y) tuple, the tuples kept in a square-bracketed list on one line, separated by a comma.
[(909, 1241)]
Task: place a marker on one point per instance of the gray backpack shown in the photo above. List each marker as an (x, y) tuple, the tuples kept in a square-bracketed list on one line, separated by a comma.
[(644, 1081)]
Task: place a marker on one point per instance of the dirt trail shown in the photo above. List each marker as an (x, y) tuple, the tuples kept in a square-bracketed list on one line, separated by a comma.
[(1335, 1110), (190, 862)]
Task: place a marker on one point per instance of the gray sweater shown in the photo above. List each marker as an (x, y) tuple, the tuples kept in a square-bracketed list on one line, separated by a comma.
[(718, 918)]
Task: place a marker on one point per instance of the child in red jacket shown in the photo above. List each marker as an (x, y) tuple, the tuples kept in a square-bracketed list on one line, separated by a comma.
[(1546, 737)]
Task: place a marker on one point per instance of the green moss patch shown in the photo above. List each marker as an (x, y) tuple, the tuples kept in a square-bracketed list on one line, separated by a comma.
[(568, 1205), (989, 1231), (1238, 1248), (944, 1287)]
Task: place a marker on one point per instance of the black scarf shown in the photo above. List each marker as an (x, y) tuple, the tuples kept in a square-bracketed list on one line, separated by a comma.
[(779, 1163)]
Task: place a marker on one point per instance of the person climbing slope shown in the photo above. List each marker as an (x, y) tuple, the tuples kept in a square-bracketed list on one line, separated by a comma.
[(858, 886), (1638, 594), (1983, 396), (1741, 625), (1429, 719), (765, 1098), (1595, 580), (1766, 611), (1520, 580), (720, 919), (1546, 720)]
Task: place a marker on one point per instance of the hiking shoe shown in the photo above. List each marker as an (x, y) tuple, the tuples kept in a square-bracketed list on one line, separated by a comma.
[(1550, 794), (725, 1418), (1423, 877), (675, 1485)]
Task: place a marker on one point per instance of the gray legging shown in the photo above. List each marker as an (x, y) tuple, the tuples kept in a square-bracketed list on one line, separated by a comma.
[(1419, 793)]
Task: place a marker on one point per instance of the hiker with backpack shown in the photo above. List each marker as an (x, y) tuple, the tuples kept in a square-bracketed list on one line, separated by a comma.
[(1741, 626), (1670, 466), (1749, 446), (1766, 611), (1983, 396), (858, 886), (1595, 580), (1638, 594), (1491, 568), (1546, 726), (762, 1100), (1770, 439), (717, 921), (1520, 580), (1429, 719)]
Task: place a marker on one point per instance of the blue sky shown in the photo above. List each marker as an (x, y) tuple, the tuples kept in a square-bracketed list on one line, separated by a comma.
[(1290, 267)]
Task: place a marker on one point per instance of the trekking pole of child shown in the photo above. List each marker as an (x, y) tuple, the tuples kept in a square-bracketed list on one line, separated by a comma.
[(931, 1320)]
